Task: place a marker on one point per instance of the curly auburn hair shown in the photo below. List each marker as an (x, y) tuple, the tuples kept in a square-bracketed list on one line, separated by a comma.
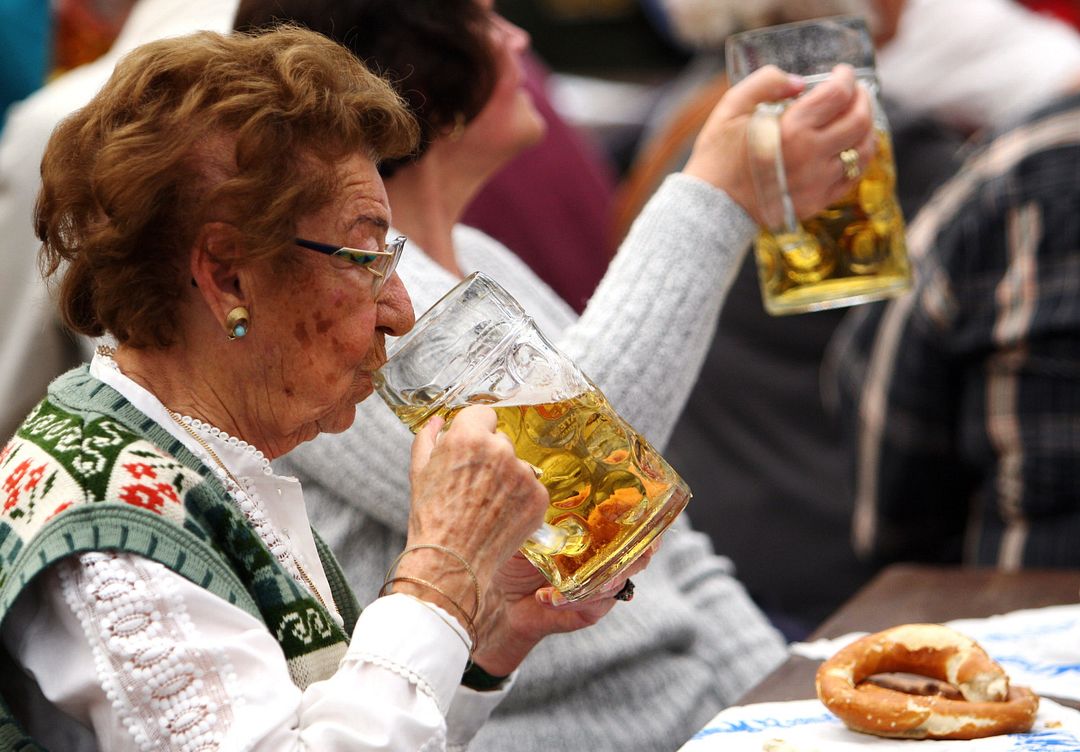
[(245, 129), (437, 53)]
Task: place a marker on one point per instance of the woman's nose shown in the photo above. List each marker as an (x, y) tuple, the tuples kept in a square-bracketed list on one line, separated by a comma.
[(394, 314)]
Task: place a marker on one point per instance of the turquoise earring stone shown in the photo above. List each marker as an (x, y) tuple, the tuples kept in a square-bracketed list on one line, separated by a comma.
[(239, 330)]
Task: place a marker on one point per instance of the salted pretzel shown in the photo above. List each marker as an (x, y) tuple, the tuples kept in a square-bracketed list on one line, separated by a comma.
[(990, 706)]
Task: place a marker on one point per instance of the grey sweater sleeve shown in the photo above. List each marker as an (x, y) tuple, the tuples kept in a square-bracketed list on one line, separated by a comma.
[(647, 329)]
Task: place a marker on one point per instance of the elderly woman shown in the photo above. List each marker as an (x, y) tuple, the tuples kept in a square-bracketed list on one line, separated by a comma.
[(692, 636), (160, 586)]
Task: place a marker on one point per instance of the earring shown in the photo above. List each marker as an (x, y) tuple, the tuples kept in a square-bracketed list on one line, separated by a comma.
[(237, 322)]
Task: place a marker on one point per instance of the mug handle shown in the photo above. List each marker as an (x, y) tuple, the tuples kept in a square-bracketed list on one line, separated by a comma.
[(548, 539), (767, 170)]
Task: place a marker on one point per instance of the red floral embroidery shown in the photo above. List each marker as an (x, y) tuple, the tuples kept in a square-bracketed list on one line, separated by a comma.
[(149, 497), (60, 509), (13, 480), (34, 477), (11, 483), (140, 469), (6, 451)]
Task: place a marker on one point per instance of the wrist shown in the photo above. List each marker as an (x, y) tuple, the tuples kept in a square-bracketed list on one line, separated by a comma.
[(450, 584), (500, 656)]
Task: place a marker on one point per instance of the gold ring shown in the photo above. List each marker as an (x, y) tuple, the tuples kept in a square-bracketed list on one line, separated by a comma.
[(850, 159)]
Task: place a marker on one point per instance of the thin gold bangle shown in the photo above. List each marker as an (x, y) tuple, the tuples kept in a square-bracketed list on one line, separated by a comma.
[(449, 552), (470, 627)]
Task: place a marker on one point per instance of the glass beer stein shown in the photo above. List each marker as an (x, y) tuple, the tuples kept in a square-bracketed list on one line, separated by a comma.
[(854, 251), (611, 493)]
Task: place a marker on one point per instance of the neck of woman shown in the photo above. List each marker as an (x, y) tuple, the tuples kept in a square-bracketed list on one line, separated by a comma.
[(429, 197), (190, 384)]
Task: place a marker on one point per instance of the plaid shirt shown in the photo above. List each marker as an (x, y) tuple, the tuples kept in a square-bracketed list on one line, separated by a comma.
[(961, 399)]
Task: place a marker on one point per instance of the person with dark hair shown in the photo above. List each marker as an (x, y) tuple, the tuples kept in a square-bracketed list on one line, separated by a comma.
[(691, 636), (160, 585), (561, 228)]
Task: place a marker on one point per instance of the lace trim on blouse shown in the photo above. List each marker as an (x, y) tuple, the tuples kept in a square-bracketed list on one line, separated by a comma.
[(168, 694), (405, 672)]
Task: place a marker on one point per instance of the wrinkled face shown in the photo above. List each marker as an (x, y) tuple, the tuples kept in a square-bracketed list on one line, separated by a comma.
[(509, 121), (327, 331)]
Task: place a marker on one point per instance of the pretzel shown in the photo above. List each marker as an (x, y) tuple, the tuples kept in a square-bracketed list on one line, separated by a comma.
[(990, 706)]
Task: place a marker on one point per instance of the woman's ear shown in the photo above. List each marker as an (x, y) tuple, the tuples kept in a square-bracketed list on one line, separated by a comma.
[(215, 265)]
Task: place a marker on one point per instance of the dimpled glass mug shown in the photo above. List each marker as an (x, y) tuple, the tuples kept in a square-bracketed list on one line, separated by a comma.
[(611, 493), (854, 250)]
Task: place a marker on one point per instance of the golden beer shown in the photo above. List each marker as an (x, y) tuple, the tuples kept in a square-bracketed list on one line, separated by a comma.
[(609, 489), (854, 251)]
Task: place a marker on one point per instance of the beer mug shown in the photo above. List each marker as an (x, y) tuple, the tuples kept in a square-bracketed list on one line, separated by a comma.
[(853, 251), (611, 493)]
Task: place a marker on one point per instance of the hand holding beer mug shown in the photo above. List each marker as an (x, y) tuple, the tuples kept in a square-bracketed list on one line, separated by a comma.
[(611, 493), (854, 250)]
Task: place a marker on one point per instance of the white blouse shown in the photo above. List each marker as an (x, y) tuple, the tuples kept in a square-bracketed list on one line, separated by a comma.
[(123, 654)]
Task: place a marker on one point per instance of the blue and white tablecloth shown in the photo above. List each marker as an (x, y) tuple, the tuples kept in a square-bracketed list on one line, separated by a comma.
[(806, 726), (1038, 648)]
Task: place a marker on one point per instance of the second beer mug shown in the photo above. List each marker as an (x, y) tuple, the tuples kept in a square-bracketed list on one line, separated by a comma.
[(854, 251), (611, 493)]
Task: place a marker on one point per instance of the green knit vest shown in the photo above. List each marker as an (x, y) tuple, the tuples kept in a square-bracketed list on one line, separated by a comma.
[(88, 472)]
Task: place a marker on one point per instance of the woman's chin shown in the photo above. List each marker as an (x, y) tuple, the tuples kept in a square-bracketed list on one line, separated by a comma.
[(536, 127), (338, 421)]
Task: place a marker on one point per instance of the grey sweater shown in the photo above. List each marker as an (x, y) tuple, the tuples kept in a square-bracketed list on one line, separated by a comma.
[(655, 670)]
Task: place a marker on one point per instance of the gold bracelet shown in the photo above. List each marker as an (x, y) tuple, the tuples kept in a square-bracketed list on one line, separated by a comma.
[(449, 552), (468, 624)]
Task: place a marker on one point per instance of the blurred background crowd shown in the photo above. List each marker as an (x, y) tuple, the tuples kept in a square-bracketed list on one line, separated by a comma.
[(788, 483)]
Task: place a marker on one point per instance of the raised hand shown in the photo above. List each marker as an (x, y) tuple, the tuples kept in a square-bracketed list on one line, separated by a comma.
[(834, 116)]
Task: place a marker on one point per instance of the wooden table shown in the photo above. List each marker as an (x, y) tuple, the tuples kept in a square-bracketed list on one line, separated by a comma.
[(906, 593)]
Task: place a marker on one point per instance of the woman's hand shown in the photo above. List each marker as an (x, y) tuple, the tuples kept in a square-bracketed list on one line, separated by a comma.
[(472, 495), (521, 608), (835, 115)]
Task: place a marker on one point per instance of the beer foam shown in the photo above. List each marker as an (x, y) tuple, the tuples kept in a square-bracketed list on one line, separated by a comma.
[(526, 396)]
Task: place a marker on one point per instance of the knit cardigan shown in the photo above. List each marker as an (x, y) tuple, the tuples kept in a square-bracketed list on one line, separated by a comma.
[(87, 471), (652, 672)]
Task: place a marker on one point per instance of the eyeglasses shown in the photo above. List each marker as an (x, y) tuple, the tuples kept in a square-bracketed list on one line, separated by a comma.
[(381, 264)]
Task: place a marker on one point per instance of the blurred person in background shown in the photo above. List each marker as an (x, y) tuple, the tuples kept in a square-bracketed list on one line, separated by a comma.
[(756, 425), (35, 347), (960, 400), (24, 49), (41, 40), (754, 430), (990, 63), (552, 202), (692, 641)]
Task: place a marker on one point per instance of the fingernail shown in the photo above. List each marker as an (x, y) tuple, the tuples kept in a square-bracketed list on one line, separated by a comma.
[(551, 597)]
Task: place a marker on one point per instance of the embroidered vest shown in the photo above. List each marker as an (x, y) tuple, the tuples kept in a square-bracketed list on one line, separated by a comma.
[(87, 472)]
